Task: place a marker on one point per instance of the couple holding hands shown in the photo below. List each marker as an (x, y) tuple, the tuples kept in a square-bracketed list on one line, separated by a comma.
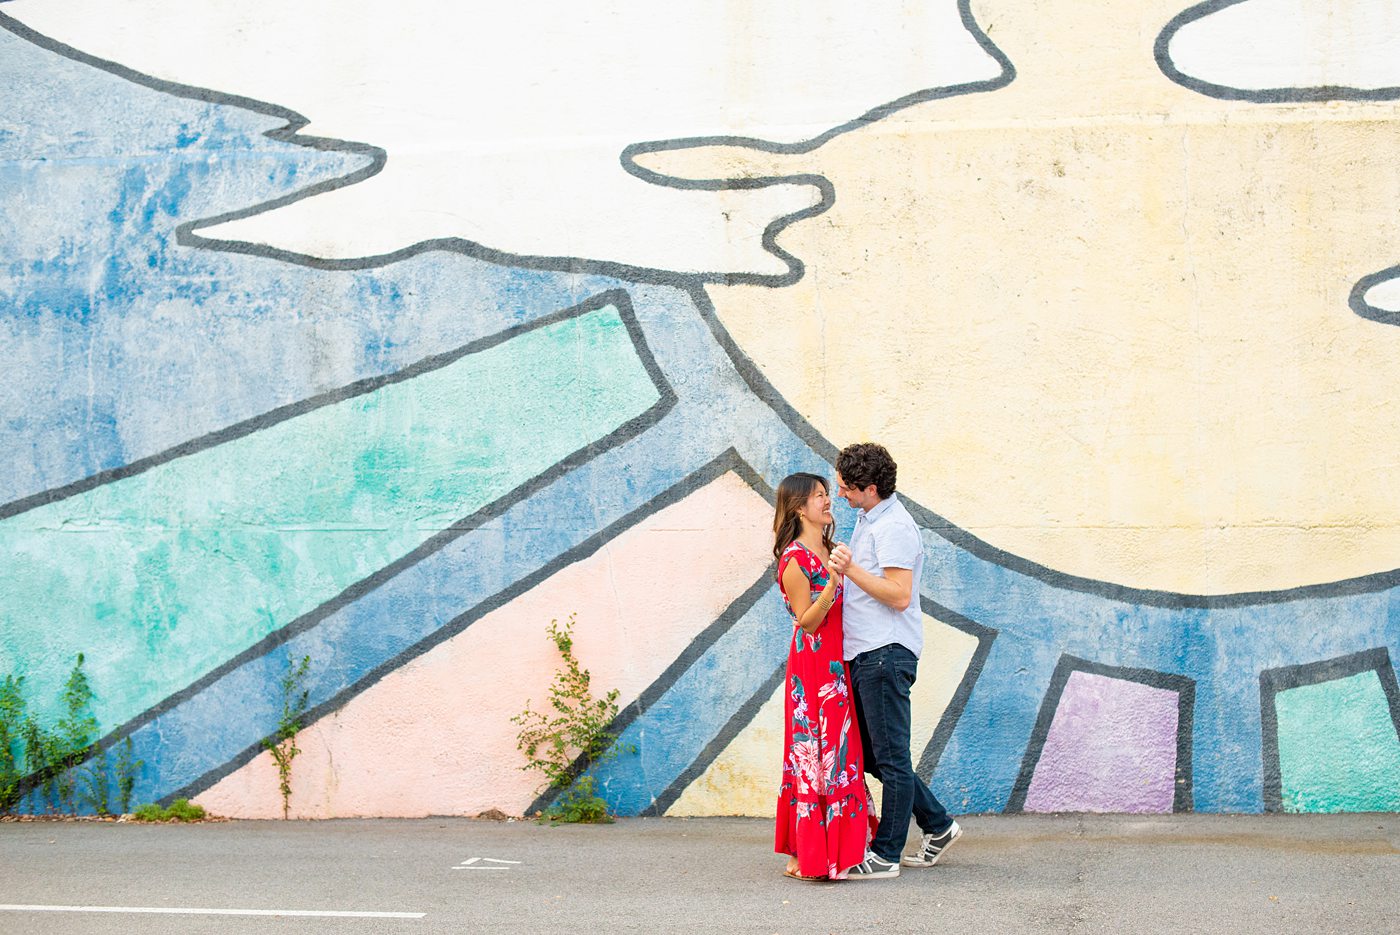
[(856, 638)]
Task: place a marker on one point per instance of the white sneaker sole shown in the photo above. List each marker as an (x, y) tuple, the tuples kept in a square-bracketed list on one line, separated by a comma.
[(911, 860)]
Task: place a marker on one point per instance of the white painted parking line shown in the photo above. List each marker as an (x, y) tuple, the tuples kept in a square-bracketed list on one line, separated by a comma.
[(177, 910), (471, 863)]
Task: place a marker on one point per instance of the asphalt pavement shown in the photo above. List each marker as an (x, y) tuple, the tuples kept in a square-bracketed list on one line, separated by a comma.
[(1072, 873)]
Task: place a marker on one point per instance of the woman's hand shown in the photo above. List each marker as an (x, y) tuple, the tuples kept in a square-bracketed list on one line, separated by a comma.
[(839, 560)]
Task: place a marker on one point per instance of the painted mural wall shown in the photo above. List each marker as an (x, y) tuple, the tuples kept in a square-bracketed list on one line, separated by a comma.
[(382, 336)]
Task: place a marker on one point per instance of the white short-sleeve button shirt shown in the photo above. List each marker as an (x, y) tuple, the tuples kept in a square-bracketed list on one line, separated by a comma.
[(885, 536)]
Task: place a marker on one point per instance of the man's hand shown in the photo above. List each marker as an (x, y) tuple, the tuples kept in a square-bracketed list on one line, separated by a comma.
[(840, 559), (893, 587)]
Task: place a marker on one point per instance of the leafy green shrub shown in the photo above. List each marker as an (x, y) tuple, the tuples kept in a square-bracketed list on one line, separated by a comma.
[(47, 760), (183, 810), (12, 722), (179, 810), (41, 753), (575, 735), (150, 812), (579, 803), (76, 731)]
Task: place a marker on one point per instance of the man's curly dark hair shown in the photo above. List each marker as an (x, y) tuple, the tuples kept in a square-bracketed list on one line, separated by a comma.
[(866, 463)]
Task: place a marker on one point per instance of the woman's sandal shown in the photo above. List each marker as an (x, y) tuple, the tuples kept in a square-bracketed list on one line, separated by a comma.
[(797, 876)]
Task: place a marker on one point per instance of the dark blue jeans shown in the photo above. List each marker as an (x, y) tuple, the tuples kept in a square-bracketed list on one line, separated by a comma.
[(881, 679)]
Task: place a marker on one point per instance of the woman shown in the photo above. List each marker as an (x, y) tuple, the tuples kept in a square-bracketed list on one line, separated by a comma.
[(824, 821)]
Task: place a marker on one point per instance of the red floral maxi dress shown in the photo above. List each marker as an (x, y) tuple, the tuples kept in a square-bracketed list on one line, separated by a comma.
[(824, 815)]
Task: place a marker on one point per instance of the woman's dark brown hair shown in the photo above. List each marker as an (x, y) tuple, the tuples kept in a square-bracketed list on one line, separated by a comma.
[(792, 496)]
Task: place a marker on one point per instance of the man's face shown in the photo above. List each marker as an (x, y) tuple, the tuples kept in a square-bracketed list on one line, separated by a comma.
[(858, 498)]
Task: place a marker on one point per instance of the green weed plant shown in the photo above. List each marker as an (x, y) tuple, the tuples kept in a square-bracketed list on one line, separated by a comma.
[(49, 757), (13, 717), (126, 775), (77, 729), (283, 744), (573, 734)]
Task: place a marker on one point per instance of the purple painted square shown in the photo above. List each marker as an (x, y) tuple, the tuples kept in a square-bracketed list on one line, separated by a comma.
[(1111, 748)]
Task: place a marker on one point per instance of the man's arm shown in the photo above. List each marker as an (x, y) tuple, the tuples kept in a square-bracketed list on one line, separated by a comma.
[(895, 590)]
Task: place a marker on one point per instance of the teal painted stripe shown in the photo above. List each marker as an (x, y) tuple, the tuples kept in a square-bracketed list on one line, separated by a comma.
[(162, 576), (1338, 750)]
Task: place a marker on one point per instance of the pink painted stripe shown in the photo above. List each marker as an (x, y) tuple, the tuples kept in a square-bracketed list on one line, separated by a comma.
[(435, 737)]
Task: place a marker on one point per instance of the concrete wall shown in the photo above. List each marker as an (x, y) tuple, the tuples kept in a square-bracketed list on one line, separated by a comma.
[(385, 337)]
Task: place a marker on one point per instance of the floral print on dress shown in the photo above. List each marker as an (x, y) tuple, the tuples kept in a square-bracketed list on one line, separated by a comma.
[(824, 815)]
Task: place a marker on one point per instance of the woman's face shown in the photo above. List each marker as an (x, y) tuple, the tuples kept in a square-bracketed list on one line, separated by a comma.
[(817, 509)]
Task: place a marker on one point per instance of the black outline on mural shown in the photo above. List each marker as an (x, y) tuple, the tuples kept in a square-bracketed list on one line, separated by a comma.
[(948, 722), (939, 526), (694, 285), (666, 400), (1283, 678), (741, 719), (698, 647), (1284, 95), (618, 298), (1294, 95), (1184, 687), (186, 233), (630, 153), (744, 716), (654, 692), (1359, 305), (727, 462)]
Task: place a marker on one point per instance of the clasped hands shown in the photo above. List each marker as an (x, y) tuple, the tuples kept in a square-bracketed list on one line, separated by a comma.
[(839, 560)]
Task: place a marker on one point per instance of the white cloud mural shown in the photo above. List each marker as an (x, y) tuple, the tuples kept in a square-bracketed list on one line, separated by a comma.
[(1292, 43), (506, 127)]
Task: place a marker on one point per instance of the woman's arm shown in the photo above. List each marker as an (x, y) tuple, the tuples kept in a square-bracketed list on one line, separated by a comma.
[(810, 614)]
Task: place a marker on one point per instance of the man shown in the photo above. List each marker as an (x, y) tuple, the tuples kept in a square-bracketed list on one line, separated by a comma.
[(884, 634)]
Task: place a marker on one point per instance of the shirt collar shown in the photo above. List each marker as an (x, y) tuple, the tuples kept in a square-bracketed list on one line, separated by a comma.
[(877, 509)]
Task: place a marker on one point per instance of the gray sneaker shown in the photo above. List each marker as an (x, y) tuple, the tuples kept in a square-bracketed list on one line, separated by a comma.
[(873, 867), (931, 847)]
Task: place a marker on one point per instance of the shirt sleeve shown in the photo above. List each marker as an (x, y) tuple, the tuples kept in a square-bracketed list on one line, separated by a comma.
[(897, 545)]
